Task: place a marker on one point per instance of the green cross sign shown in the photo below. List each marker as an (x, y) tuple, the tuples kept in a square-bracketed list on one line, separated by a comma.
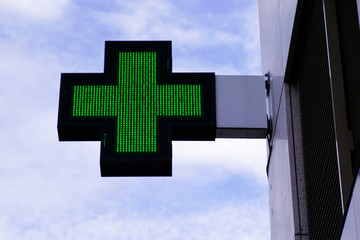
[(136, 108), (136, 101)]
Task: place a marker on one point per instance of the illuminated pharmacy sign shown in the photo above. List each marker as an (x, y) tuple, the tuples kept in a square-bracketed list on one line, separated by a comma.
[(136, 107)]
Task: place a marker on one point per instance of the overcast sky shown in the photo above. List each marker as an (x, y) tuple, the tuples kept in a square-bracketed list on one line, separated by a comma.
[(53, 190)]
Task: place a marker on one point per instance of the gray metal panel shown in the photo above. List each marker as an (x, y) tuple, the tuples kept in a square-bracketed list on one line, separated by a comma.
[(287, 12), (318, 134), (240, 107), (344, 139)]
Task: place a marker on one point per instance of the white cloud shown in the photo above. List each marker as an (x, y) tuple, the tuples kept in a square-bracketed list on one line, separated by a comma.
[(35, 9), (232, 220), (246, 157), (159, 19), (219, 223)]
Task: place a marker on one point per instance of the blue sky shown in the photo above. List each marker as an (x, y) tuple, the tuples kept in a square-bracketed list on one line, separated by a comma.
[(53, 190)]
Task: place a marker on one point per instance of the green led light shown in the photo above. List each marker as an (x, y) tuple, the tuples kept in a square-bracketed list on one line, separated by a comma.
[(136, 102)]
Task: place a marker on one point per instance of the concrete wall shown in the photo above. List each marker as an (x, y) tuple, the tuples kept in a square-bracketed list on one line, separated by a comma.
[(286, 182)]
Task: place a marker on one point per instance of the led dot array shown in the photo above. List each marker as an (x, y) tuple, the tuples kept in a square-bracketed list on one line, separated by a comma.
[(136, 102)]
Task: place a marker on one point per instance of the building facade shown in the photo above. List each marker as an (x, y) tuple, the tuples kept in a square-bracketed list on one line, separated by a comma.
[(311, 58)]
